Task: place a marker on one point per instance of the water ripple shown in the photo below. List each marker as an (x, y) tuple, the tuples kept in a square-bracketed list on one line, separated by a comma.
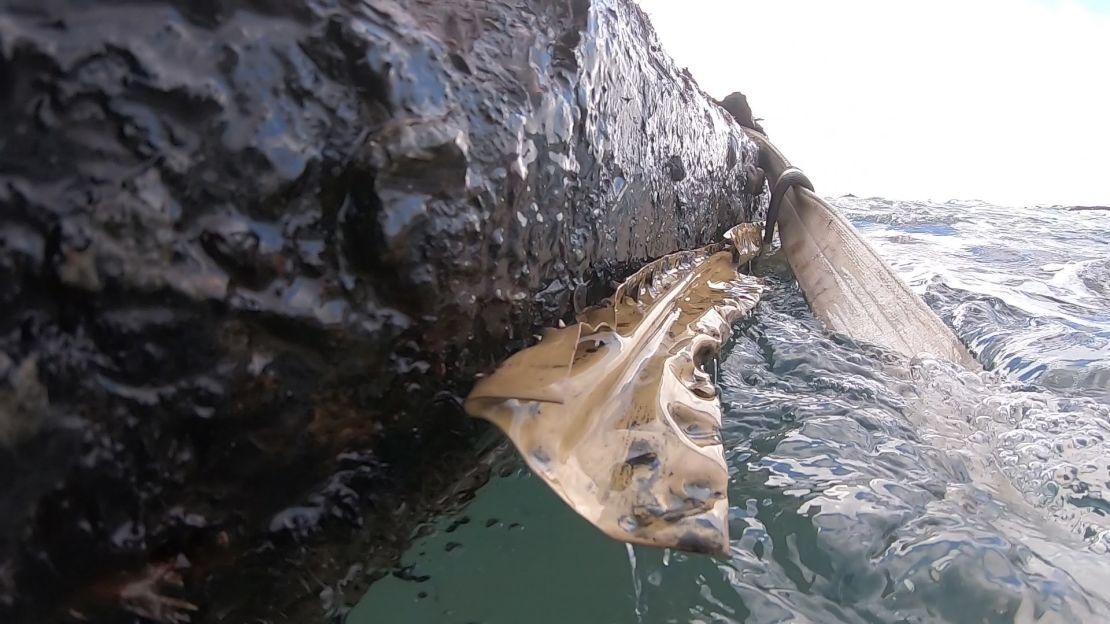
[(863, 487)]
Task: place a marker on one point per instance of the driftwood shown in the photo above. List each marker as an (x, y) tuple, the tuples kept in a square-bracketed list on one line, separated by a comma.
[(252, 253)]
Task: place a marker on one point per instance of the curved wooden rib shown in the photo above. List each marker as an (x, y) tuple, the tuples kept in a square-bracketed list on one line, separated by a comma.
[(618, 413)]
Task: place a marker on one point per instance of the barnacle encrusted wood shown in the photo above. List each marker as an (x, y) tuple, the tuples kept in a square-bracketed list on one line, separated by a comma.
[(618, 413)]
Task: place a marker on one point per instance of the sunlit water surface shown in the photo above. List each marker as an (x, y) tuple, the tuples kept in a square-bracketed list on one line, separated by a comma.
[(864, 488)]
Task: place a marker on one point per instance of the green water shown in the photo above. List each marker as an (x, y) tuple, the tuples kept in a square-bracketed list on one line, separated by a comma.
[(518, 543), (863, 487)]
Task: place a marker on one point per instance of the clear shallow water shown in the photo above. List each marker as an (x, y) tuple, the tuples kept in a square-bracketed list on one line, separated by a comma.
[(863, 487)]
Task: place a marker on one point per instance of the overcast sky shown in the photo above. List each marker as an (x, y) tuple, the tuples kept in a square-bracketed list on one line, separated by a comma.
[(1002, 100)]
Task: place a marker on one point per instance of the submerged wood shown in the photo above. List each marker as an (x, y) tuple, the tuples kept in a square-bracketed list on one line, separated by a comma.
[(619, 412)]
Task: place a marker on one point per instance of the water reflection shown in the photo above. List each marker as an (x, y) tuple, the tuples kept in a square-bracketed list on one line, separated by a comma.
[(863, 487)]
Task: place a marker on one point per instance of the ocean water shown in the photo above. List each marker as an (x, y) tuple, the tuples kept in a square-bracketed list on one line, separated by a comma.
[(864, 487)]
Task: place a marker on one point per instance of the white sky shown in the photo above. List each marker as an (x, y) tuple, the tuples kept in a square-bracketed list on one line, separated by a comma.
[(1002, 100)]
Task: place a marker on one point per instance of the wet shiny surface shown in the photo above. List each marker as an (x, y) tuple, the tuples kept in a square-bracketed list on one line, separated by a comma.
[(1027, 288), (253, 253), (618, 412), (863, 487), (847, 284)]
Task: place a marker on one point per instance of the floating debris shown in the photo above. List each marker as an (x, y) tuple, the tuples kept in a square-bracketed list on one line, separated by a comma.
[(618, 413)]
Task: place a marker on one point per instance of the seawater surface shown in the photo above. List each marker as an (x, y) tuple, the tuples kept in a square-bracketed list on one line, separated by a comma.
[(864, 487)]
